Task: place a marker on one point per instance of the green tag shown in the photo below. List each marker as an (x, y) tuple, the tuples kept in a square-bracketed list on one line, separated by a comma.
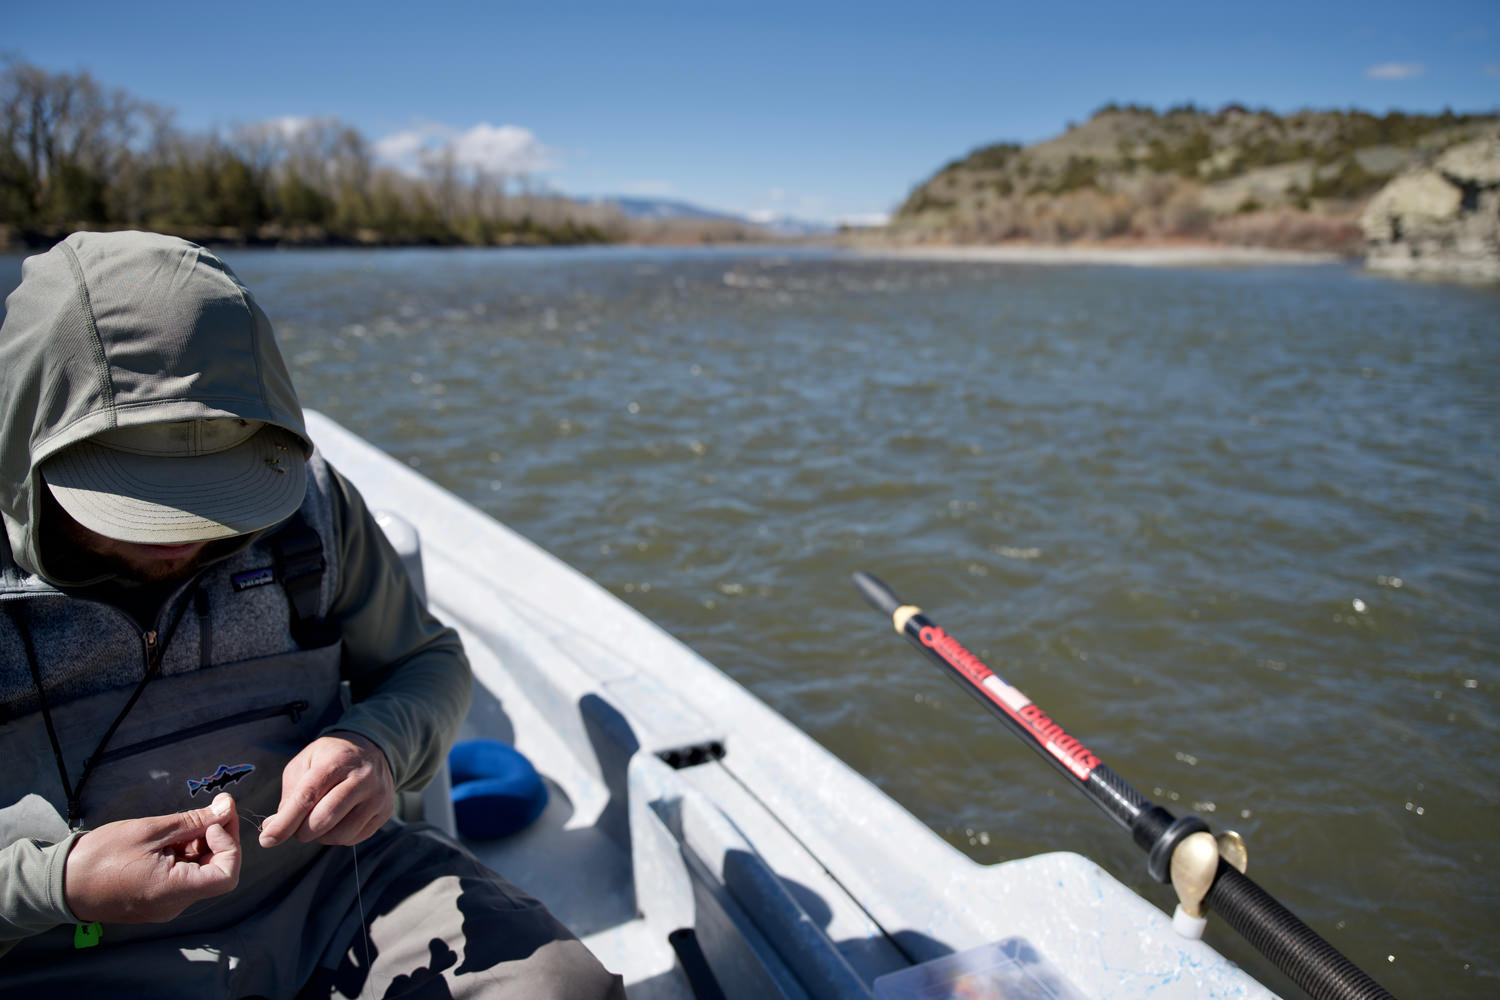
[(87, 935)]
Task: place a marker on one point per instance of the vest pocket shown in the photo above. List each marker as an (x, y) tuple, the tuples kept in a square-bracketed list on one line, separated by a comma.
[(292, 710), (174, 768)]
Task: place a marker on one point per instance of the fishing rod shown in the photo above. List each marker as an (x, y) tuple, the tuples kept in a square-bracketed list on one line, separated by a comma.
[(1206, 871)]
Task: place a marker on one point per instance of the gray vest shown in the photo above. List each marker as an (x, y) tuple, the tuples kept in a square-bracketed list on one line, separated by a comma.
[(232, 696)]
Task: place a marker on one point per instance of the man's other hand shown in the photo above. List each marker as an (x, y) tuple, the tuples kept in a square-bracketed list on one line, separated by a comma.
[(338, 790), (148, 870)]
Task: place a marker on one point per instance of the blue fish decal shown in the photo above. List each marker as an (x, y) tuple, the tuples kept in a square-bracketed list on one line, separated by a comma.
[(222, 778)]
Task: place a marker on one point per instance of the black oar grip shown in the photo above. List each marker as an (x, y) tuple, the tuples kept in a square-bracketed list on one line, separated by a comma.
[(1296, 949), (878, 594)]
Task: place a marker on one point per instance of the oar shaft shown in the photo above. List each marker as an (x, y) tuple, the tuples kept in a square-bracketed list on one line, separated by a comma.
[(1027, 720), (1295, 948), (1020, 714)]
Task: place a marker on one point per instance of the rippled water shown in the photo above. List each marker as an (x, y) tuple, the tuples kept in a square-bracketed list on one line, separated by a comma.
[(1235, 529)]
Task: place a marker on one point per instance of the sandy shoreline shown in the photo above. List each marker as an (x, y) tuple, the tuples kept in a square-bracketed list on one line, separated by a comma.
[(1185, 256)]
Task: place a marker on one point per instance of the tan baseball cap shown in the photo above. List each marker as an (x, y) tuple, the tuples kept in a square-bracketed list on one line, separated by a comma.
[(185, 481)]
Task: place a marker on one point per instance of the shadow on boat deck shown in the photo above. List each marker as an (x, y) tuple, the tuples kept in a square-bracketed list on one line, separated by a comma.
[(486, 716)]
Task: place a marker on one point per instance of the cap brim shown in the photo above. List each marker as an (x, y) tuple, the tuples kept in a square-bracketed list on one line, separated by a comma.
[(172, 500)]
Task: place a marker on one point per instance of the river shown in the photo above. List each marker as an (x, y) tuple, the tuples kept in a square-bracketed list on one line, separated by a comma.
[(1237, 529)]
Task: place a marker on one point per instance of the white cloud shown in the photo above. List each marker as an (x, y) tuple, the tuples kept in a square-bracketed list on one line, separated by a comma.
[(493, 149), (501, 149), (292, 126), (1395, 71), (400, 148), (864, 219)]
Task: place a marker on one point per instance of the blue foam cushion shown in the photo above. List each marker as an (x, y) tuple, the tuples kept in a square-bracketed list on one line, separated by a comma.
[(496, 791)]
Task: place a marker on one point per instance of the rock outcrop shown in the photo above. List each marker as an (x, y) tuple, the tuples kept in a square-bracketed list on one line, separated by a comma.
[(1441, 220)]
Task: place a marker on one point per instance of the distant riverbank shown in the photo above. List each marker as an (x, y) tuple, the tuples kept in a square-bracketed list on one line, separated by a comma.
[(1143, 255), (1127, 256)]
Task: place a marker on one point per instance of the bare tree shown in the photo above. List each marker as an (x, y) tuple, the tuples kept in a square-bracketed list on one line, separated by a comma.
[(68, 135)]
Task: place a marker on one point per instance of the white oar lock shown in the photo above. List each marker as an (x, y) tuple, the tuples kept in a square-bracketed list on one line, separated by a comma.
[(1195, 863)]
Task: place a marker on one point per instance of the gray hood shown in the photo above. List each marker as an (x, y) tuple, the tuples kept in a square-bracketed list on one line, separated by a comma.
[(114, 330)]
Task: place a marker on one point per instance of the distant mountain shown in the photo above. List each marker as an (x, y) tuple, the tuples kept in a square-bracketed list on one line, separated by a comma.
[(787, 226), (666, 209)]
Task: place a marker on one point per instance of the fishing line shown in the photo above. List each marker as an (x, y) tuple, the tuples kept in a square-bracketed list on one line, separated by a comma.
[(853, 898), (364, 932), (258, 820)]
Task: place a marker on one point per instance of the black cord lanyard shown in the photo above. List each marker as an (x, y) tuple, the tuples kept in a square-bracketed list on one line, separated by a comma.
[(154, 644)]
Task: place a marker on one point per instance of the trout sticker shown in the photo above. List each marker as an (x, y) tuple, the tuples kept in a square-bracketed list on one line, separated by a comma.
[(222, 778)]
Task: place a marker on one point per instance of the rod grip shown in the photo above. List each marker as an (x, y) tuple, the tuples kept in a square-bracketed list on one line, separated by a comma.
[(1296, 949), (881, 597)]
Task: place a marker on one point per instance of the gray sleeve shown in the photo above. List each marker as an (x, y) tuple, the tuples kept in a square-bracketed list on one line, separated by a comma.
[(408, 672), (31, 889)]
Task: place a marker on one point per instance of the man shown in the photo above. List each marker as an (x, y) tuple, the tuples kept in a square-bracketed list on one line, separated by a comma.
[(204, 631)]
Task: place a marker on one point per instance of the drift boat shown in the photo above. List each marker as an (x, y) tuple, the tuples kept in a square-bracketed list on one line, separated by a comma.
[(700, 844)]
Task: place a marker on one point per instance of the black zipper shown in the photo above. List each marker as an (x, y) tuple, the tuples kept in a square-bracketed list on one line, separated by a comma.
[(292, 710)]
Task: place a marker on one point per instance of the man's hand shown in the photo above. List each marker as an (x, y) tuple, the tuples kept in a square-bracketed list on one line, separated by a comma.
[(141, 871), (338, 790)]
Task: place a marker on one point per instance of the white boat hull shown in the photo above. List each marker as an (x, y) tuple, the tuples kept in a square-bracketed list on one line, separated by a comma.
[(798, 876)]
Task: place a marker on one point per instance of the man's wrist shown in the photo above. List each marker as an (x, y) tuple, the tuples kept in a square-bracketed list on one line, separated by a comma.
[(361, 740)]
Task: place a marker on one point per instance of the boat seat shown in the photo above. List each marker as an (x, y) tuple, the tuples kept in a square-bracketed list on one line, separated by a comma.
[(433, 804)]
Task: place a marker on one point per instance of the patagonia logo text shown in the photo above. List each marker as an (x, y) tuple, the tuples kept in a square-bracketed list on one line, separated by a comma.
[(253, 578), (225, 776)]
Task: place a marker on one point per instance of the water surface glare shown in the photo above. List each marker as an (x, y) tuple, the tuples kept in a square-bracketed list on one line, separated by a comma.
[(1235, 529)]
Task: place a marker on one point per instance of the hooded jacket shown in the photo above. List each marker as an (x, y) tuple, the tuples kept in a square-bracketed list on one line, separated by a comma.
[(123, 329)]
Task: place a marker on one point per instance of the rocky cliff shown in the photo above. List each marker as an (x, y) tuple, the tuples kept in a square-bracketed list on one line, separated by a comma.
[(1441, 219)]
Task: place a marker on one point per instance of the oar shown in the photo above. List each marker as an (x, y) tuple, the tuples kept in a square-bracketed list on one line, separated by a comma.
[(1178, 849)]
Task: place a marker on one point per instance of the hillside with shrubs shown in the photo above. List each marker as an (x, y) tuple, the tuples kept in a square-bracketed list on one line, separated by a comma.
[(1132, 175)]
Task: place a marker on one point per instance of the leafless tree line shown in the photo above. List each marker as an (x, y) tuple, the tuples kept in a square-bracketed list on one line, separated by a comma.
[(75, 154)]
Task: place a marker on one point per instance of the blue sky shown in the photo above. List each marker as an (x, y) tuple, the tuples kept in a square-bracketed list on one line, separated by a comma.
[(819, 110)]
